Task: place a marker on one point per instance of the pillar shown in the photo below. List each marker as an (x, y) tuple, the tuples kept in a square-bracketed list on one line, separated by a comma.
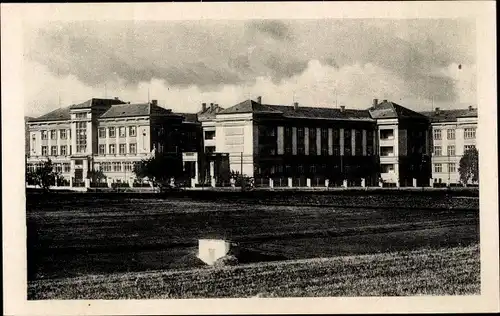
[(196, 172), (271, 183), (308, 182), (290, 182), (327, 183), (363, 182), (193, 182), (414, 182)]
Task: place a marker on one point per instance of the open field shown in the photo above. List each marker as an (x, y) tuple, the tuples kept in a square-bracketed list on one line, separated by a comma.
[(449, 271), (80, 234)]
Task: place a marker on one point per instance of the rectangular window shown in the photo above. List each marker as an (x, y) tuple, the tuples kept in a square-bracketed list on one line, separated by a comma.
[(117, 166), (312, 142), (288, 131), (81, 115), (347, 142), (66, 167), (112, 132), (44, 151), (106, 166), (122, 132), (469, 133), (33, 144), (437, 151), (102, 149), (53, 150), (53, 134), (57, 167), (44, 135), (102, 132), (81, 137), (451, 150), (112, 149), (122, 149), (63, 150), (467, 147), (70, 149), (451, 134), (209, 135), (438, 167), (128, 166), (437, 134), (132, 131), (452, 167), (132, 148), (62, 134)]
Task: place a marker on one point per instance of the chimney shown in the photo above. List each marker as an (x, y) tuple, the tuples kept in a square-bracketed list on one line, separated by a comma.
[(437, 110), (471, 108), (154, 102), (203, 107), (117, 98), (295, 105), (342, 108), (211, 106), (259, 99), (384, 101), (375, 102)]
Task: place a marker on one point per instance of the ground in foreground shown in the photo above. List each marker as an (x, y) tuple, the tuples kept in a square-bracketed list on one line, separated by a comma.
[(446, 271)]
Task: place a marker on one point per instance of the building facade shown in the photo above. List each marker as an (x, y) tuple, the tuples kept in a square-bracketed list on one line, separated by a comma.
[(453, 132), (103, 134)]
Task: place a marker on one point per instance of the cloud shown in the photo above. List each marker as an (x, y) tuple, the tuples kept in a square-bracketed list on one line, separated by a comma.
[(317, 61)]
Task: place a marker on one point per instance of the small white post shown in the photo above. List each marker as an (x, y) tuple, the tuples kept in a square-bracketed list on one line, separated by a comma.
[(363, 182), (212, 182), (431, 182), (308, 182), (380, 183), (344, 183), (193, 182), (327, 183), (87, 183), (397, 184), (290, 182), (414, 182), (131, 183), (271, 183)]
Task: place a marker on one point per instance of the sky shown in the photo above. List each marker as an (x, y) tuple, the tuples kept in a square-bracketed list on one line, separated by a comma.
[(324, 62)]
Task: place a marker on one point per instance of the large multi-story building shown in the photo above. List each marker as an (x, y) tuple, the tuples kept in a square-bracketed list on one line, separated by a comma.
[(104, 134), (453, 132), (385, 142)]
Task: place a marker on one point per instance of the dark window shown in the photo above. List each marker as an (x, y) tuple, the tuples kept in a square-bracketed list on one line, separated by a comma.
[(209, 135)]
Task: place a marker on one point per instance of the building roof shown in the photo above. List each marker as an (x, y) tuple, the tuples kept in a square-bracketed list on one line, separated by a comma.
[(138, 109), (250, 106), (210, 112), (388, 110), (61, 114), (96, 101), (189, 117), (450, 115)]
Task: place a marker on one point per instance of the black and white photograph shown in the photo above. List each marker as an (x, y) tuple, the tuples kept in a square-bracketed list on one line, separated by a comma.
[(246, 154)]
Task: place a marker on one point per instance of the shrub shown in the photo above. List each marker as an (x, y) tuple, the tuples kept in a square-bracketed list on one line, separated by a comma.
[(229, 260)]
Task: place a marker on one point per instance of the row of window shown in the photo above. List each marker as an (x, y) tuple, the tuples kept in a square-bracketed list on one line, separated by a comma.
[(57, 167), (63, 134), (63, 150), (122, 131), (115, 166), (469, 133), (450, 150), (122, 149), (438, 167)]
